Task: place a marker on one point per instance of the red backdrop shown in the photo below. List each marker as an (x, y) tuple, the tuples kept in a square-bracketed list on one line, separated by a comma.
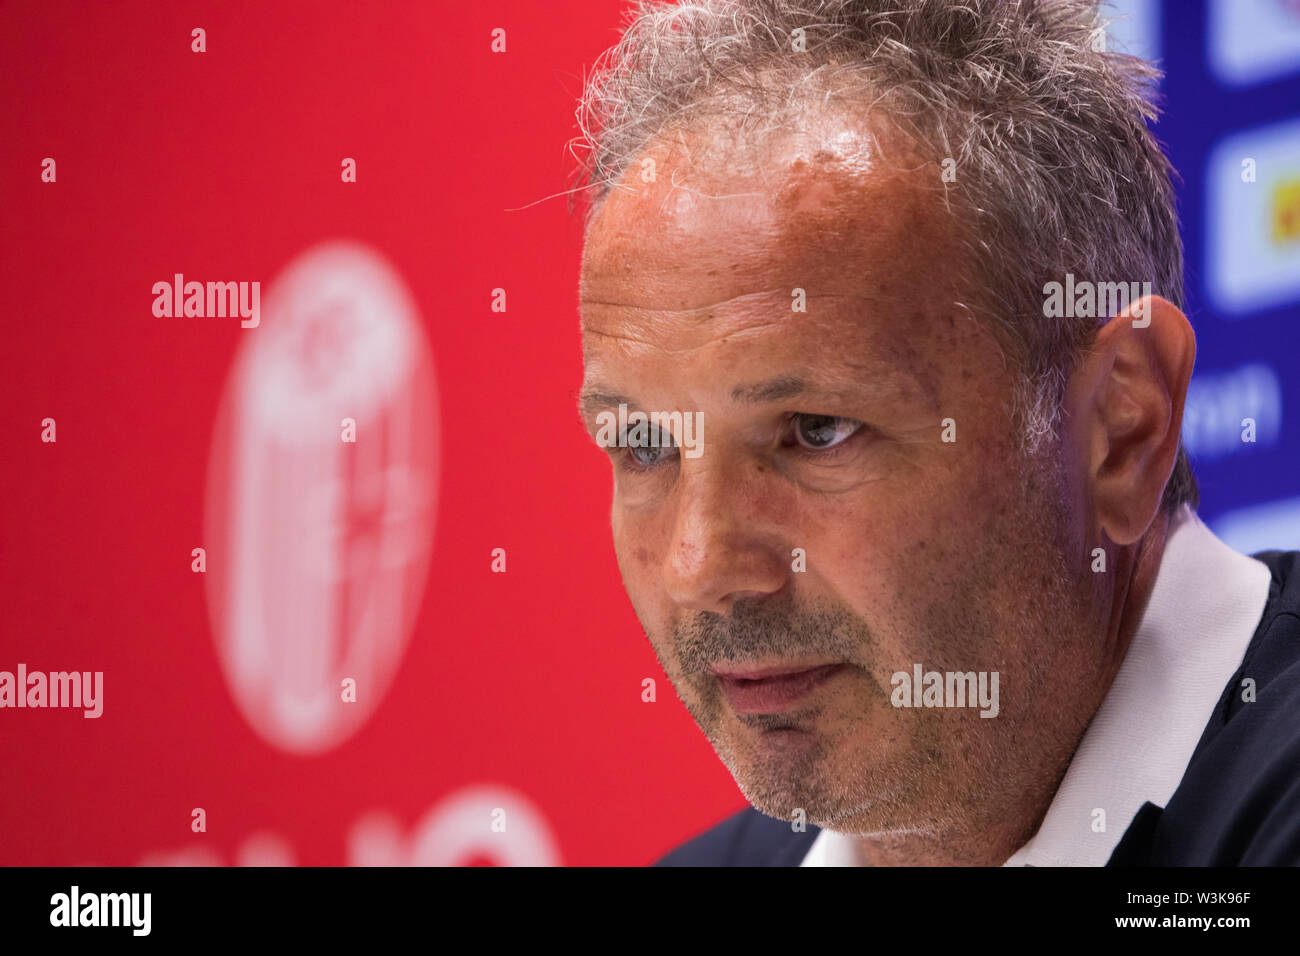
[(518, 690)]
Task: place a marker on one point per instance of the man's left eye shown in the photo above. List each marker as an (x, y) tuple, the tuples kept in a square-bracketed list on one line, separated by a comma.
[(819, 432)]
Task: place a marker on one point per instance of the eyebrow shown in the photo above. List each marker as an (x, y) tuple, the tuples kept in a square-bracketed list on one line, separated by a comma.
[(773, 390), (591, 401)]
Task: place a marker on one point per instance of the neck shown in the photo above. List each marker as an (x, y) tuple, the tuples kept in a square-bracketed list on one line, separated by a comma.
[(1141, 562)]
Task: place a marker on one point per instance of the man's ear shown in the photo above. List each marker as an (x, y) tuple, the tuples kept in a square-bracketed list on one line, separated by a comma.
[(1126, 400)]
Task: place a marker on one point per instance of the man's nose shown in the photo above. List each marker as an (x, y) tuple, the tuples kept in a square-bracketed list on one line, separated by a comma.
[(722, 547)]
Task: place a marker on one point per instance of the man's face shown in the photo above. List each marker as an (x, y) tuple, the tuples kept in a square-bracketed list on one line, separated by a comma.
[(825, 523)]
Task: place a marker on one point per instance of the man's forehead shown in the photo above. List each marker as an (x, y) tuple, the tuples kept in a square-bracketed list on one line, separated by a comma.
[(690, 224)]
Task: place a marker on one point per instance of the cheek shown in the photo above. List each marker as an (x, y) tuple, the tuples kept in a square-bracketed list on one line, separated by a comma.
[(859, 555), (633, 543), (639, 564), (902, 552)]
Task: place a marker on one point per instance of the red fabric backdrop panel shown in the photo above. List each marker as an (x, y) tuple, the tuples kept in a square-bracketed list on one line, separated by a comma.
[(339, 675)]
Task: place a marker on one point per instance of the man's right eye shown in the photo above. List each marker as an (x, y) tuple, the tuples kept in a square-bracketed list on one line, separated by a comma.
[(658, 447)]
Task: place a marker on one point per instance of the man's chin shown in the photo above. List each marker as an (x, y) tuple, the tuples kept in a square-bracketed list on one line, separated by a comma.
[(781, 771), (788, 774)]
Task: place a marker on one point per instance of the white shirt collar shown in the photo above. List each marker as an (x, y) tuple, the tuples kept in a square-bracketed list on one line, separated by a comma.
[(1205, 605)]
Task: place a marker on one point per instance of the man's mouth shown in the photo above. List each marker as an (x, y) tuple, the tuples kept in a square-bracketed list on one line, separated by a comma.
[(771, 690)]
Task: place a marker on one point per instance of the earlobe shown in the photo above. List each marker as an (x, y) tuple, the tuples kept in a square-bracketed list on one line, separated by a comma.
[(1140, 369)]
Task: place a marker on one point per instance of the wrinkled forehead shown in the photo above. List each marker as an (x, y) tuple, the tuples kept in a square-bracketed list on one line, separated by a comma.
[(703, 215)]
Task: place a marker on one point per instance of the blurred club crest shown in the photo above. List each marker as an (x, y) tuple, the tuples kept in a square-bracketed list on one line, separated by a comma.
[(318, 547)]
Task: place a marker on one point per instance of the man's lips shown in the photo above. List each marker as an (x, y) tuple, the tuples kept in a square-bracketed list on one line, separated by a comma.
[(771, 690)]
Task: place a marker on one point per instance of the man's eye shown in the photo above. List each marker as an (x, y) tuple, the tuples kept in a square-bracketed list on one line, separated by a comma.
[(819, 432), (657, 446), (648, 457)]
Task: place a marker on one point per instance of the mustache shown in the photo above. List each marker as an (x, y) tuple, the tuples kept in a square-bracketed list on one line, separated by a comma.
[(773, 627)]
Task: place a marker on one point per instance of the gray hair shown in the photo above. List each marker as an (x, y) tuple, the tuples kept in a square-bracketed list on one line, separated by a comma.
[(1059, 171)]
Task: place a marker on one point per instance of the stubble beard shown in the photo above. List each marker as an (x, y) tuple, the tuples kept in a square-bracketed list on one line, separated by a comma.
[(929, 788)]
